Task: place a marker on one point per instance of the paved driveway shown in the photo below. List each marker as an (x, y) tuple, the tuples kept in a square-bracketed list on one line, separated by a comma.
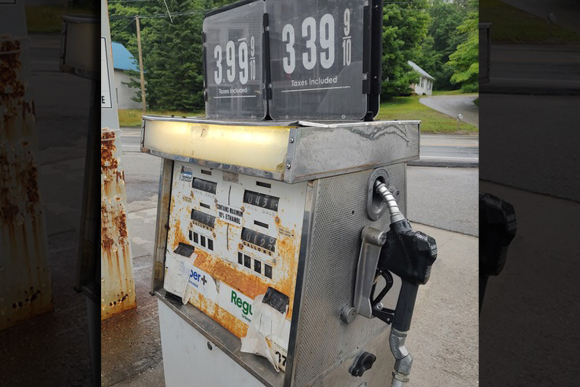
[(452, 105)]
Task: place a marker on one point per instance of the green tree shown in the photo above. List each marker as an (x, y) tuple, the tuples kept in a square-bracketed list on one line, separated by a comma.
[(404, 29), (465, 60), (172, 49), (442, 40)]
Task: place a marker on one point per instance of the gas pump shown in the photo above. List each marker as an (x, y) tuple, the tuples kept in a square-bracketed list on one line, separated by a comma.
[(406, 253), (272, 235)]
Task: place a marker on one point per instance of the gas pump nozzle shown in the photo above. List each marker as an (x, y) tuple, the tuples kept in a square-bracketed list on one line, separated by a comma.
[(409, 254), (498, 226), (404, 252)]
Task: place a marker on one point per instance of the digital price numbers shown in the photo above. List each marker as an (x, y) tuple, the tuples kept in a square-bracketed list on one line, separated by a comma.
[(233, 59), (203, 219), (261, 200), (205, 185), (258, 239)]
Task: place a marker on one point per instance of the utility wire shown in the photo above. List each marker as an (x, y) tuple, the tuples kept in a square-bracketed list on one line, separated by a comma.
[(117, 32)]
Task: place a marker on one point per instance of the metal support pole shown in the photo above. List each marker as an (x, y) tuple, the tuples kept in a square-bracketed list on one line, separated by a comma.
[(141, 65), (25, 281)]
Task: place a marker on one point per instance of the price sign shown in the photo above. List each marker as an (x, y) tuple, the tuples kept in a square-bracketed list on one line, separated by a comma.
[(233, 60), (320, 58)]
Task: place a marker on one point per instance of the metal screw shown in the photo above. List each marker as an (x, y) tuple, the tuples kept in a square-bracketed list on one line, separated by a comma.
[(379, 306), (288, 166), (347, 314), (291, 140)]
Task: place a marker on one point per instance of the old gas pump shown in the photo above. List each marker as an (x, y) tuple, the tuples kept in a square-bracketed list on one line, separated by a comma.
[(259, 268)]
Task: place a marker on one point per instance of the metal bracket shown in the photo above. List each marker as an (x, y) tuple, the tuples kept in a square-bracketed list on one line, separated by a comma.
[(372, 241)]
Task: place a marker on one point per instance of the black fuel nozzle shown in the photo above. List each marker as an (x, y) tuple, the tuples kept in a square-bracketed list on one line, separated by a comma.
[(498, 226), (408, 254)]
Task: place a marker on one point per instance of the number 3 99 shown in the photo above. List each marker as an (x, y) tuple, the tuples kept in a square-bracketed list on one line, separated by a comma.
[(243, 62)]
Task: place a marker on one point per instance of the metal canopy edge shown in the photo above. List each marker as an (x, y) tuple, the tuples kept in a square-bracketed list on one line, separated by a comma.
[(313, 149)]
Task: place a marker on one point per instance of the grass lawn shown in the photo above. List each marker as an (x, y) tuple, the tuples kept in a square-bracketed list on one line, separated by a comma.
[(48, 18), (133, 117), (447, 92), (432, 121), (512, 25), (399, 108)]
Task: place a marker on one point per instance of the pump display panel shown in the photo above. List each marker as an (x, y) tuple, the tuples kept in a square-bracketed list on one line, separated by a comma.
[(233, 244), (233, 62)]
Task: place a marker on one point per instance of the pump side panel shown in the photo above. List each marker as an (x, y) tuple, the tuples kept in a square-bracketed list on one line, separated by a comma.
[(179, 341), (326, 346)]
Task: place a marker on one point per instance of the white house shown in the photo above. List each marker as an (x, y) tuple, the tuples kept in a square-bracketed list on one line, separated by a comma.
[(123, 61), (425, 85)]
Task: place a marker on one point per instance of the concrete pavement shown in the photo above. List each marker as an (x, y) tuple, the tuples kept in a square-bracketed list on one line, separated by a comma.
[(530, 316), (531, 142)]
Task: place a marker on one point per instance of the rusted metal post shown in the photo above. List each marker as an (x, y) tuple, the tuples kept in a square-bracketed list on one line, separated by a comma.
[(117, 282), (25, 285)]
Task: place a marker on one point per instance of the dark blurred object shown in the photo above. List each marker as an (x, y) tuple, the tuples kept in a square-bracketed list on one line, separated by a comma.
[(497, 228), (77, 55), (484, 51)]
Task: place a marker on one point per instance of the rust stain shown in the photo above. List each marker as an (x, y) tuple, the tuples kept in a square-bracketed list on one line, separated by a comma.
[(287, 250), (177, 235), (118, 286), (249, 284), (220, 315), (22, 230)]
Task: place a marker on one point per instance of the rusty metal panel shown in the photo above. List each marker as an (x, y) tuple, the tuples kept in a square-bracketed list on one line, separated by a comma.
[(231, 238), (25, 284), (117, 282), (162, 225)]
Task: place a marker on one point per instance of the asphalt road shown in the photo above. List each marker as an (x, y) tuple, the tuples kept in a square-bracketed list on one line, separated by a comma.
[(45, 52), (445, 198), (566, 12), (453, 105), (531, 65)]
